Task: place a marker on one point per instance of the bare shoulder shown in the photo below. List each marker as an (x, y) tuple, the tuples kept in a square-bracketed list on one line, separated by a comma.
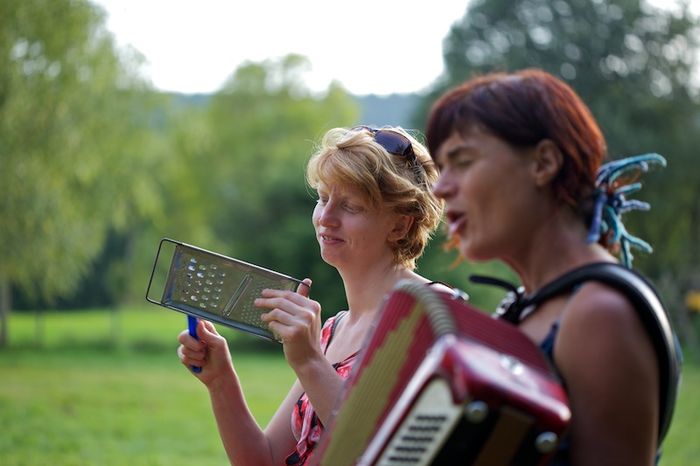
[(598, 314), (609, 366), (596, 303)]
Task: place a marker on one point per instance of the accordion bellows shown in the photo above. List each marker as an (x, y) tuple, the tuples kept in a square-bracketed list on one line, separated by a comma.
[(439, 382)]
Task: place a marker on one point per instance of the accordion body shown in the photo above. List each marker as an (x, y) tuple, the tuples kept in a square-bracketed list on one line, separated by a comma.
[(439, 382)]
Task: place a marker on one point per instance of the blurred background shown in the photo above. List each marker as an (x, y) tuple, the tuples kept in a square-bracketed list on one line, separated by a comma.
[(103, 152)]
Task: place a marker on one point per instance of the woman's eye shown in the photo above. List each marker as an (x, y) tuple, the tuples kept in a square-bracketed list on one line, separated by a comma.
[(462, 161), (352, 208)]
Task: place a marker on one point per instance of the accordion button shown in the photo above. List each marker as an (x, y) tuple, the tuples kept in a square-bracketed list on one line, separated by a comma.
[(546, 442), (476, 411)]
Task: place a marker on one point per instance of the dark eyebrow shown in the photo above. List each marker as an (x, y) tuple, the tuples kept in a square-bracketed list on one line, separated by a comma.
[(456, 149), (452, 153)]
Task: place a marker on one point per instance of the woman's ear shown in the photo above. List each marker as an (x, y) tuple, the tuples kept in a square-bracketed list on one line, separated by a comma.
[(402, 225), (548, 162)]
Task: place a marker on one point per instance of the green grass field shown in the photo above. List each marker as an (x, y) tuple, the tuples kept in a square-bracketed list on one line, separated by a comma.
[(93, 396), (107, 389)]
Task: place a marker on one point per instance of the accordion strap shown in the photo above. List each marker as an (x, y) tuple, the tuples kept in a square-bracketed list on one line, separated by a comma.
[(439, 316), (518, 306)]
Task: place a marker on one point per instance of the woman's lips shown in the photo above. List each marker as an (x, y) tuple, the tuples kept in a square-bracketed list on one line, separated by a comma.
[(329, 239), (457, 221)]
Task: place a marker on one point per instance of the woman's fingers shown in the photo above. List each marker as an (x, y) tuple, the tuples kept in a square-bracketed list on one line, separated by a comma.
[(193, 351), (285, 313), (304, 287), (292, 316), (295, 331), (303, 317), (288, 307), (207, 333), (189, 341), (288, 301), (191, 357), (209, 327)]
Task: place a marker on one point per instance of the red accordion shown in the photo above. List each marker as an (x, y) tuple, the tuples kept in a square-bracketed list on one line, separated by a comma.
[(440, 383)]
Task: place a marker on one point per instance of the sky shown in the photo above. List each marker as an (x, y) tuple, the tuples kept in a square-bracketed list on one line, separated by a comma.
[(369, 46)]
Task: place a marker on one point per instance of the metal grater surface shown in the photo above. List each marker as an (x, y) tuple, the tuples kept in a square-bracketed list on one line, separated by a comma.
[(220, 288)]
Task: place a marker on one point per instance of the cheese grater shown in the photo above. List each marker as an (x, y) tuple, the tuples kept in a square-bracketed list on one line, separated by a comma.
[(212, 286)]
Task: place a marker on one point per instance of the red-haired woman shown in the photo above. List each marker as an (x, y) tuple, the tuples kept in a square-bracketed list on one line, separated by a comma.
[(520, 160)]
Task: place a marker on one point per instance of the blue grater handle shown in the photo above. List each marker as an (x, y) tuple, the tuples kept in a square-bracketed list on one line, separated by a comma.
[(192, 326)]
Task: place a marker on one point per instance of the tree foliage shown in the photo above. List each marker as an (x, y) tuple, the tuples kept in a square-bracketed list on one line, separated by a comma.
[(70, 126), (234, 181), (96, 168)]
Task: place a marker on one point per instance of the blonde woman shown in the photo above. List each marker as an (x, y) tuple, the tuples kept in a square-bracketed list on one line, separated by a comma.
[(374, 215)]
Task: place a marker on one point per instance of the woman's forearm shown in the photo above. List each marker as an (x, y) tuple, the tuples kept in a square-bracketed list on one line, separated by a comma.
[(245, 443), (322, 384)]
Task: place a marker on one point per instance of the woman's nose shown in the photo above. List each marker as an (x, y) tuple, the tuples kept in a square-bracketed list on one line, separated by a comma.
[(443, 187), (326, 214)]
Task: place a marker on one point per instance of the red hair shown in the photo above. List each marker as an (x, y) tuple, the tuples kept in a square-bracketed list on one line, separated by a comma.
[(522, 109)]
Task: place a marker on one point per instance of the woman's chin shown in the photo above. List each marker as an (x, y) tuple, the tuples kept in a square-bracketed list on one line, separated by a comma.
[(470, 252), (465, 249), (331, 259)]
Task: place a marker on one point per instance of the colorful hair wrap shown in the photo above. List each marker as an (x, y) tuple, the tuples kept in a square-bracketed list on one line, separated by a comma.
[(614, 182)]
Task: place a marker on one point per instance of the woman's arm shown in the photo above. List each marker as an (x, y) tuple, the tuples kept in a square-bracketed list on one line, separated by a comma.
[(244, 441), (322, 384), (296, 319), (281, 424), (610, 368)]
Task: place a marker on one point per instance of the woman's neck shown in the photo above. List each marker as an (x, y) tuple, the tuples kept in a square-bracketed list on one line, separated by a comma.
[(557, 246), (365, 289)]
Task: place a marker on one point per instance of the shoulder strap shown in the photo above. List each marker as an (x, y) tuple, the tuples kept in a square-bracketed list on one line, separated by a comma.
[(336, 319), (455, 292), (651, 312)]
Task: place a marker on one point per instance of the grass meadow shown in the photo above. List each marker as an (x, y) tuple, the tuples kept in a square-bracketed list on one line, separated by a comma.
[(106, 388)]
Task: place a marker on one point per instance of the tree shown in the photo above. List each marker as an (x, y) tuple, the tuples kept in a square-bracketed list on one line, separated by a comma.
[(235, 183), (633, 64), (67, 103)]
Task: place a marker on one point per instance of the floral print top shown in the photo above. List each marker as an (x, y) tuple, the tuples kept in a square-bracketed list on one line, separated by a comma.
[(306, 425)]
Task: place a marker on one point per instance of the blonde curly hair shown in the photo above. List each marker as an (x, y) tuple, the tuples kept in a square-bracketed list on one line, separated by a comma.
[(353, 158)]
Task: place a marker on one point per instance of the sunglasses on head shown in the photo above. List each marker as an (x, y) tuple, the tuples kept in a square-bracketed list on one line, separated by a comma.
[(393, 142)]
